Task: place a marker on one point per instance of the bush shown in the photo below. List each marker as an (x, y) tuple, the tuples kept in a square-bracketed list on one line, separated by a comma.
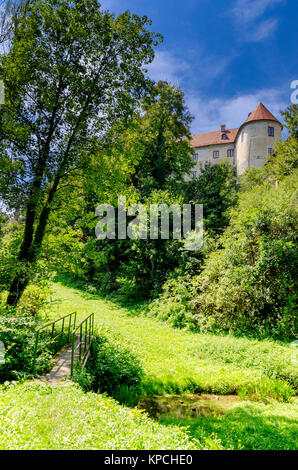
[(17, 332), (174, 313), (129, 289), (83, 378), (248, 284), (35, 298), (115, 370)]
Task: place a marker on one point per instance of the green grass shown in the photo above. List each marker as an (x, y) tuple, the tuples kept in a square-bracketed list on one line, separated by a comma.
[(248, 426), (177, 361), (44, 417), (34, 416)]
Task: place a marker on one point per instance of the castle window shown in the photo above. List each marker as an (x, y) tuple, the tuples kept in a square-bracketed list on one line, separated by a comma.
[(230, 152), (270, 151), (194, 174), (271, 131), (224, 136), (216, 154), (195, 157)]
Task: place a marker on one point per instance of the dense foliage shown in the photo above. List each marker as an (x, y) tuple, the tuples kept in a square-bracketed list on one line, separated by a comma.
[(137, 269), (249, 283), (177, 361), (71, 72), (17, 332), (215, 188), (114, 369)]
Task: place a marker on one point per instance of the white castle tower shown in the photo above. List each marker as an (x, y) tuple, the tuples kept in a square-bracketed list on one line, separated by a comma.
[(246, 147)]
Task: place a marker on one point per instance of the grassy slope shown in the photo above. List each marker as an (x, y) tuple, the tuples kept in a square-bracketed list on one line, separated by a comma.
[(176, 361), (43, 417)]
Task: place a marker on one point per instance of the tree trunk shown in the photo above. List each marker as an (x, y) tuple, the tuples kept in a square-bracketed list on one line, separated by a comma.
[(17, 288), (29, 257), (22, 277), (29, 251)]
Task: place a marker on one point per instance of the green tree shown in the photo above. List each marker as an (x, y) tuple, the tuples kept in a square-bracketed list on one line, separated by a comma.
[(71, 72), (161, 136), (215, 188), (155, 147), (290, 116), (3, 220), (250, 283), (284, 160)]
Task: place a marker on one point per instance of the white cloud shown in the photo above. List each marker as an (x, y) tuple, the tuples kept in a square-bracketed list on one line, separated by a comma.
[(174, 69), (112, 5), (264, 29), (210, 114), (248, 19), (168, 67), (249, 10)]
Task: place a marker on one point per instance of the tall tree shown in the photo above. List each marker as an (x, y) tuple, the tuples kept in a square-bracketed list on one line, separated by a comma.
[(71, 72), (215, 188), (156, 143), (285, 158), (290, 116), (162, 139)]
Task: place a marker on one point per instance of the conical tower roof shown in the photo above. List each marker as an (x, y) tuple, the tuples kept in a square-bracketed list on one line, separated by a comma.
[(260, 113)]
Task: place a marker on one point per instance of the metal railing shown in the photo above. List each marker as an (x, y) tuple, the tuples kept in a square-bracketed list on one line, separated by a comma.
[(68, 323), (82, 337)]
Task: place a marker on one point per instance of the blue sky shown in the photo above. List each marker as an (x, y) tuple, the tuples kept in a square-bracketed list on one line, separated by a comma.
[(226, 55)]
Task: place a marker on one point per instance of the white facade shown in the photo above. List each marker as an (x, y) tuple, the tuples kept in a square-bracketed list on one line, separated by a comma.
[(253, 144), (206, 154)]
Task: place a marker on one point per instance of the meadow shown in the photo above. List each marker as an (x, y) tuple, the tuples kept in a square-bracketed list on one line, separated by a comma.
[(38, 416), (204, 335), (178, 361), (35, 416)]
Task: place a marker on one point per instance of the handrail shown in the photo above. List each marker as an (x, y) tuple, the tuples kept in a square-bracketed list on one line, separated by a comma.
[(71, 323), (85, 341)]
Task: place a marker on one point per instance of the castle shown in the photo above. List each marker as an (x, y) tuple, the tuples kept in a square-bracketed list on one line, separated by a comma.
[(245, 147)]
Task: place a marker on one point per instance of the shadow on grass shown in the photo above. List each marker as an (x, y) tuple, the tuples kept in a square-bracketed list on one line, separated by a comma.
[(247, 426), (267, 387), (89, 291)]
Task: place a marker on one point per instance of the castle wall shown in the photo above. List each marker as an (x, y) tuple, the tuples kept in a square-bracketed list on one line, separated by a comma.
[(205, 155), (253, 142)]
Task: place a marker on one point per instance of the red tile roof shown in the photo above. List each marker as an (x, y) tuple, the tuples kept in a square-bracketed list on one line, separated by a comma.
[(261, 112), (214, 138)]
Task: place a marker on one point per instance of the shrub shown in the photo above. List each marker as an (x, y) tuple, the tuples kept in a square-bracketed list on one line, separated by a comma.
[(17, 332), (129, 289), (174, 313), (35, 298), (115, 370), (248, 284), (83, 378)]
